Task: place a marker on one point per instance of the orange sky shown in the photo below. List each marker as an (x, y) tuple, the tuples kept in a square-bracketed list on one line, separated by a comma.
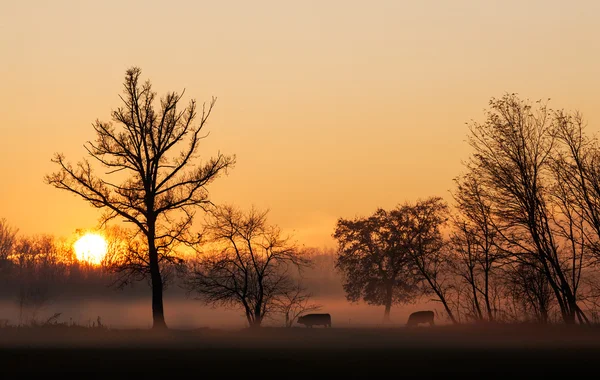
[(333, 108)]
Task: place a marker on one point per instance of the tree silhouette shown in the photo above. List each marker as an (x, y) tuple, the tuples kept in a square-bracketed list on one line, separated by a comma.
[(8, 238), (248, 265), (162, 186), (293, 303), (373, 256), (38, 267), (513, 161), (528, 286), (477, 255), (426, 247), (576, 168)]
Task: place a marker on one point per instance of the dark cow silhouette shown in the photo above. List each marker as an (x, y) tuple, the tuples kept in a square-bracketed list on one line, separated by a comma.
[(417, 317), (309, 320)]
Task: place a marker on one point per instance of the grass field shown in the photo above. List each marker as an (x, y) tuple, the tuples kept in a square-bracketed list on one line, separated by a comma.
[(482, 351)]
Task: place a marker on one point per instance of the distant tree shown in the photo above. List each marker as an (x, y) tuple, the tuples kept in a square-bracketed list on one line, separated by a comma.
[(8, 237), (246, 264), (293, 303), (160, 187), (426, 247), (375, 261), (322, 276), (38, 270)]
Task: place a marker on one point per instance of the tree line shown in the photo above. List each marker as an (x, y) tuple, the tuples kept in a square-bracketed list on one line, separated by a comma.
[(520, 241), (40, 272), (36, 270)]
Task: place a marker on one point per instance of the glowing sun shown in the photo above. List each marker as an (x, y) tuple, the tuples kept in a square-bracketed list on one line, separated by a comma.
[(91, 248)]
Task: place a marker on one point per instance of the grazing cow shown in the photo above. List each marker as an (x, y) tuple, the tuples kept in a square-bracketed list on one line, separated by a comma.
[(417, 317), (309, 320)]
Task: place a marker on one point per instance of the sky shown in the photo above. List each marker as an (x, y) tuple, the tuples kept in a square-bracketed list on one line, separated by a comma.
[(333, 108)]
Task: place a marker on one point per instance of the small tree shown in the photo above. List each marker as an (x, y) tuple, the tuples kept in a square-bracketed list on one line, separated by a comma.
[(373, 256), (247, 264), (294, 303), (162, 185)]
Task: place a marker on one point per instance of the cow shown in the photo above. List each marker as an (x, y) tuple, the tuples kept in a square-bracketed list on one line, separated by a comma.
[(309, 320), (417, 317)]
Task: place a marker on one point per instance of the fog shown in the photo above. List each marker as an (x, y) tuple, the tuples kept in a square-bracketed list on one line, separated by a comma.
[(186, 313), (86, 295)]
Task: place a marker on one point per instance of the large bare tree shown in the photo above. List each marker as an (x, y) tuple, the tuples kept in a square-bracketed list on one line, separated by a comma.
[(246, 263), (512, 159), (154, 179)]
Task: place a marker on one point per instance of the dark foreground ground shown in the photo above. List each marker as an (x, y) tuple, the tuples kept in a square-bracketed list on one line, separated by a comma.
[(481, 352)]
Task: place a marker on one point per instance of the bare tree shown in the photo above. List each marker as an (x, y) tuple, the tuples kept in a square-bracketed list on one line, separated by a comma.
[(374, 258), (529, 287), (246, 263), (512, 161), (162, 185), (576, 191), (466, 265), (426, 247), (38, 270), (8, 237), (295, 302), (475, 246), (576, 167)]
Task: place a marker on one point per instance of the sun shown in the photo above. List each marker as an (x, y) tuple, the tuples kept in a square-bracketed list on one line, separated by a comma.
[(91, 248)]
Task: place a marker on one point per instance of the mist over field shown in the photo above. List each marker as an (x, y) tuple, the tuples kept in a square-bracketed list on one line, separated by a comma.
[(82, 297), (181, 313)]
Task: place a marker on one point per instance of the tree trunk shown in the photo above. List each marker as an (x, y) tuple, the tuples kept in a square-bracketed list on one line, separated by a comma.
[(257, 317), (477, 310), (569, 300), (488, 306), (158, 316), (249, 315), (572, 308), (388, 304), (386, 313), (562, 289), (21, 304), (438, 292), (544, 316), (256, 322), (447, 307), (583, 319)]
